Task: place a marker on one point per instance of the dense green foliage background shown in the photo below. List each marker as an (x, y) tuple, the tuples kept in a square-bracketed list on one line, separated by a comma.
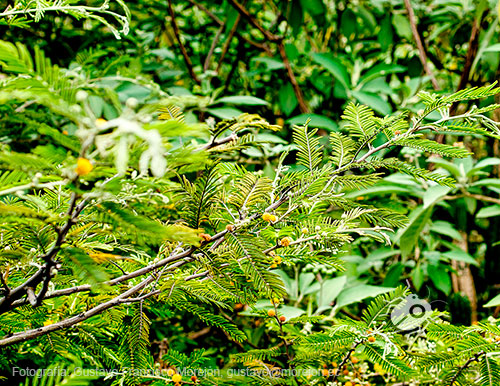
[(288, 61)]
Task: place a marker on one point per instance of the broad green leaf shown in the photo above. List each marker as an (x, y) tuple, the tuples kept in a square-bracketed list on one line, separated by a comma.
[(385, 35), (417, 277), (315, 121), (329, 291), (488, 183), (290, 312), (445, 228), (334, 66), (434, 194), (440, 277), (482, 164), (305, 280), (374, 101), (270, 63), (402, 25), (493, 302), (460, 255), (381, 69), (359, 292), (288, 100), (225, 112), (411, 234), (393, 275), (242, 100), (489, 211)]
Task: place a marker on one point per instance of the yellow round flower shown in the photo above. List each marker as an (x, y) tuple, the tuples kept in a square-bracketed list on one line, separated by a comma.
[(267, 216), (100, 121), (83, 166), (285, 241), (176, 378)]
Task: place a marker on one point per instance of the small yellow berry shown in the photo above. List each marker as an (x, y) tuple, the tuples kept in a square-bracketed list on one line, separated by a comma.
[(273, 266), (348, 383), (334, 364), (325, 372), (176, 378), (100, 121), (229, 227), (354, 360), (277, 260), (305, 231), (275, 301), (397, 132), (282, 319), (65, 132), (170, 372), (271, 313), (83, 166), (273, 218), (285, 241), (371, 339)]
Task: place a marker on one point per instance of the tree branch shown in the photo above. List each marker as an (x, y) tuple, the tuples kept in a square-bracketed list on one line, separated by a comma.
[(467, 364), (206, 65), (469, 59), (421, 49), (253, 21), (346, 358), (227, 43), (185, 54), (44, 273), (279, 41), (30, 334)]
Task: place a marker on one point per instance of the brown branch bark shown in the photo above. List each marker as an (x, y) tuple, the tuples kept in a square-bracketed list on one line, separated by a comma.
[(462, 279), (253, 21), (124, 297), (469, 58), (184, 52), (227, 43), (206, 65), (279, 41), (43, 275), (296, 88), (421, 49), (31, 334)]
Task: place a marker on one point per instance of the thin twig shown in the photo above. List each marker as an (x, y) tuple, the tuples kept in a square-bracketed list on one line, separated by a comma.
[(346, 358), (30, 334), (467, 364), (469, 58), (227, 43), (206, 65), (279, 41), (184, 52), (421, 49)]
